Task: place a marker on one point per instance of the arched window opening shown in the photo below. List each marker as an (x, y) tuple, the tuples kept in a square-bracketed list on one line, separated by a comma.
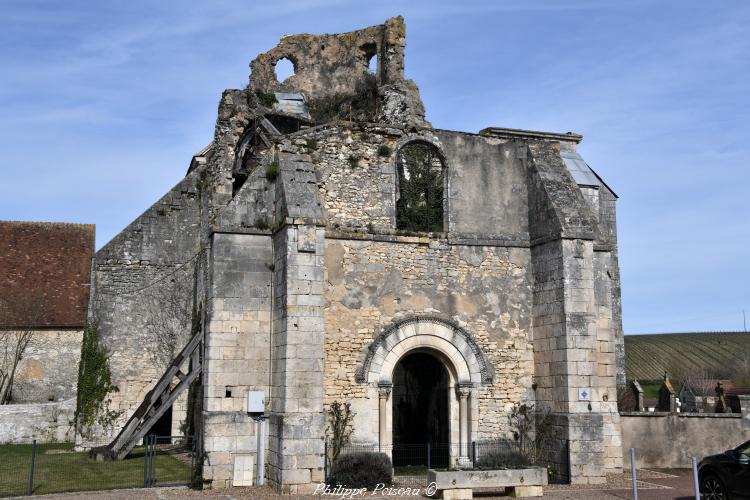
[(246, 160), (370, 57), (421, 181), (284, 69)]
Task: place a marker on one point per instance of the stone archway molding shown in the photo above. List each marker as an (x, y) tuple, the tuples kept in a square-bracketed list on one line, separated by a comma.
[(429, 332)]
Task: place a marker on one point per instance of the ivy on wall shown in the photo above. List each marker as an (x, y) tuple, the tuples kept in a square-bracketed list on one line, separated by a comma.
[(94, 386)]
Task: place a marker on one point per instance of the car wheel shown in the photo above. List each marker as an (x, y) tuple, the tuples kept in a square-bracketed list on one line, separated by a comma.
[(713, 488)]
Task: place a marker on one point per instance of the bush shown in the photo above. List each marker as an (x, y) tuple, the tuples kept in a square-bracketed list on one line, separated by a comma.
[(362, 469), (384, 150), (501, 459)]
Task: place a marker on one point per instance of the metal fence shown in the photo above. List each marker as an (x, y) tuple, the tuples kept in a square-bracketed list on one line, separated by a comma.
[(35, 469), (412, 461)]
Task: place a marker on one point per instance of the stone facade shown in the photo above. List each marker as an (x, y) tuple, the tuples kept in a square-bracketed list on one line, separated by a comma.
[(283, 240), (48, 370)]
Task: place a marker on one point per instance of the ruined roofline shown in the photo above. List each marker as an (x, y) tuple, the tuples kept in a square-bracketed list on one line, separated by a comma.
[(530, 134)]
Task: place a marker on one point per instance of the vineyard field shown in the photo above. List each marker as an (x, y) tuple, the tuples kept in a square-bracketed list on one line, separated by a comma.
[(647, 357)]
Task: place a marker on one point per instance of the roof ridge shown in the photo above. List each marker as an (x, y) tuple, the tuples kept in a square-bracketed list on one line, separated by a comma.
[(48, 223)]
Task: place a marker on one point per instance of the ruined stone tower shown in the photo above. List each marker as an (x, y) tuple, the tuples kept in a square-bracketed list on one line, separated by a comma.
[(329, 244)]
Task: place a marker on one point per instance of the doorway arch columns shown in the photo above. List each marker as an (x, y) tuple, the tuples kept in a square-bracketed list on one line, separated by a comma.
[(449, 343)]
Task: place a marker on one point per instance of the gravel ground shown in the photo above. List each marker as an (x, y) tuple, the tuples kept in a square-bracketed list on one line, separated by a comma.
[(652, 485)]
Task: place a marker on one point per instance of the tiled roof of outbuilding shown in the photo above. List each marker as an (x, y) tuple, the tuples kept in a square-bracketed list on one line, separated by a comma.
[(45, 271)]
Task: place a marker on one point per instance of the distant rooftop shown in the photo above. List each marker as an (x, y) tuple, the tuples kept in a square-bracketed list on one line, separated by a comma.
[(45, 271)]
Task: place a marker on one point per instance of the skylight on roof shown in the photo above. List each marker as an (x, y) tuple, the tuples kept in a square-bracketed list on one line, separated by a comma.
[(579, 169)]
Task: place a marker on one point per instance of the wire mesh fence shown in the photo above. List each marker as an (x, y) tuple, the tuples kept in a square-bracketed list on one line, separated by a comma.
[(412, 461), (36, 469)]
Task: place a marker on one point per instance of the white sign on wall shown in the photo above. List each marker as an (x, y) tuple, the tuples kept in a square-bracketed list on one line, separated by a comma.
[(584, 394)]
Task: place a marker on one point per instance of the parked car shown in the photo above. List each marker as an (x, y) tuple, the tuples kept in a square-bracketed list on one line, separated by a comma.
[(726, 476)]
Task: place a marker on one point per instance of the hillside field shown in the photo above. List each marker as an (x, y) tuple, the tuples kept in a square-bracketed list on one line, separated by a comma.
[(716, 354)]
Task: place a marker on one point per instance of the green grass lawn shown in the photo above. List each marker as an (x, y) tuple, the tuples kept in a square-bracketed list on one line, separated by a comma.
[(60, 470)]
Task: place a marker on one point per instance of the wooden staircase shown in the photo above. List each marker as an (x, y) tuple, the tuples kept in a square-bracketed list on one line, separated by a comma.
[(157, 401)]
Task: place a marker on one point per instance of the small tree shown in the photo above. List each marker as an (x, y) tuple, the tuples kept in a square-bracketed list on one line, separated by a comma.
[(17, 322), (531, 428), (340, 416)]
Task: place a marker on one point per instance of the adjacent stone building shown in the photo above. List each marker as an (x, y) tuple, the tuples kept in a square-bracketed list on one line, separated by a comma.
[(330, 245), (45, 274)]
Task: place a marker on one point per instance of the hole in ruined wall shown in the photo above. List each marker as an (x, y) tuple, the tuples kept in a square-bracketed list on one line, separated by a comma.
[(370, 57), (284, 68), (246, 160), (228, 392), (372, 66), (421, 184)]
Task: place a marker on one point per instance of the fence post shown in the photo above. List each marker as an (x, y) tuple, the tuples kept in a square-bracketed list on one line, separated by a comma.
[(152, 475), (473, 454), (33, 466), (429, 463), (633, 473), (696, 485), (145, 461)]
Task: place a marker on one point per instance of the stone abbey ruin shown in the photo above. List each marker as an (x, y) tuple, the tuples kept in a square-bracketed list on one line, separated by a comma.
[(330, 245)]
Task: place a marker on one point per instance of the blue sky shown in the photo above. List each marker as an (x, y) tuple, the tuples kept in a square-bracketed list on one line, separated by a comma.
[(104, 103)]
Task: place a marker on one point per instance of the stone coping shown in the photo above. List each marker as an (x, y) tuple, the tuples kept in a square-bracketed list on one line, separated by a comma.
[(497, 478), (686, 414)]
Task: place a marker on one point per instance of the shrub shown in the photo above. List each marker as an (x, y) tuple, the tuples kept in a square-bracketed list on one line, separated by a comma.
[(362, 469), (384, 150), (353, 161), (267, 99), (501, 459), (272, 171), (312, 144)]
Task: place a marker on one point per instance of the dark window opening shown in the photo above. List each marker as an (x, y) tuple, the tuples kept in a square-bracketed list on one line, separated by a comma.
[(284, 68), (227, 392), (285, 124), (421, 177), (247, 159)]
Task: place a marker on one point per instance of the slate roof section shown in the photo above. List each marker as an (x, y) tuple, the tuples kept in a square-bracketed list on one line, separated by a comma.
[(45, 273)]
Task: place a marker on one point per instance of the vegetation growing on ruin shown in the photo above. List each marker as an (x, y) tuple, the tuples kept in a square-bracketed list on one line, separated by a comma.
[(94, 385), (384, 150), (272, 171), (420, 182), (267, 99)]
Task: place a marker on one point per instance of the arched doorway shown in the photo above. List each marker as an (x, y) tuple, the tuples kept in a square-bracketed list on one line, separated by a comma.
[(420, 411)]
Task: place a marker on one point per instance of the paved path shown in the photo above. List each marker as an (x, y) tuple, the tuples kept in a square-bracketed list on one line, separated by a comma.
[(677, 485)]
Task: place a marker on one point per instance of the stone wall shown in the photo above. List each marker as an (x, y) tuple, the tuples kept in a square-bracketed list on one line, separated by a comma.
[(144, 294), (237, 348), (371, 282), (666, 440), (49, 368), (45, 422)]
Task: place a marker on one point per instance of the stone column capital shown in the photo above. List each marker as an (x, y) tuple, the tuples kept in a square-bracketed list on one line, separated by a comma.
[(464, 391), (384, 390)]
